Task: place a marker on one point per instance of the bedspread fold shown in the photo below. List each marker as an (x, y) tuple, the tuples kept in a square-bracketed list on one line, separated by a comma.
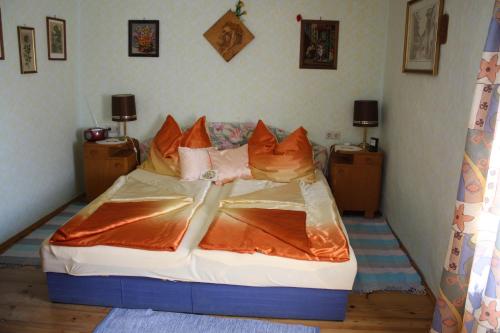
[(295, 220), (137, 212), (150, 225)]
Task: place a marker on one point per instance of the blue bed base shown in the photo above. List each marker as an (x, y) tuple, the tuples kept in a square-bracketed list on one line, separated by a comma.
[(195, 297)]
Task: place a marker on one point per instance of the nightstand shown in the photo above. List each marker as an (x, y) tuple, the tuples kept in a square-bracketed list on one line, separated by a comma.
[(103, 164), (355, 179)]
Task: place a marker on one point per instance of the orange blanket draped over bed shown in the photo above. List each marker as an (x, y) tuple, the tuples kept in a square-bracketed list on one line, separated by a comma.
[(148, 225), (274, 232)]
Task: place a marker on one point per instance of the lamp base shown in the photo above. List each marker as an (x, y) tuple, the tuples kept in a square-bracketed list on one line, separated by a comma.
[(124, 128), (364, 145)]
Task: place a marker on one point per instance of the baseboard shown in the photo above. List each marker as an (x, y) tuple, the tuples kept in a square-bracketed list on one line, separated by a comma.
[(9, 242), (414, 264)]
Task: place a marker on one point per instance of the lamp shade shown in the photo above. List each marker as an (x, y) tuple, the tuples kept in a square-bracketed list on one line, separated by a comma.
[(123, 107), (365, 114)]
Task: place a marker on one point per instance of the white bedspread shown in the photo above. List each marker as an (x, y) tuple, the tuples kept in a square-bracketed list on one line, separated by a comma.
[(262, 270), (189, 263)]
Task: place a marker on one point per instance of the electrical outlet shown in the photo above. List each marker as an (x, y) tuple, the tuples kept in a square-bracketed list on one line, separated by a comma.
[(333, 135)]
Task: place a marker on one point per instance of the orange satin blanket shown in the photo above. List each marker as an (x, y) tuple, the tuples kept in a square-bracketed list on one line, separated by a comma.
[(274, 232), (149, 225)]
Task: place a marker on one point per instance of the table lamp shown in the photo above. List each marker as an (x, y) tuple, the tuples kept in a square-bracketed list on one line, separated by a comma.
[(123, 109), (365, 115)]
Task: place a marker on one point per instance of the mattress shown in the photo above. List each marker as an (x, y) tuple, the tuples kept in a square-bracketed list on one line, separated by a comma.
[(191, 264)]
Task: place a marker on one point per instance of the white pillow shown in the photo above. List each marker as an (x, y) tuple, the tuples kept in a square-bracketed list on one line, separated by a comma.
[(230, 164), (194, 162)]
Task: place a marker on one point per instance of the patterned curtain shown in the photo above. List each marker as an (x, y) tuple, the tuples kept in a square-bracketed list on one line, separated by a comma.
[(469, 297)]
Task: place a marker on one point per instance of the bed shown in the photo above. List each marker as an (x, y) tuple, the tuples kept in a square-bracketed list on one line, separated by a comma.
[(194, 280)]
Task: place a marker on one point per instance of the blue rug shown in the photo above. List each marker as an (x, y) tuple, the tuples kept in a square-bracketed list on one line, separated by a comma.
[(149, 321), (382, 264)]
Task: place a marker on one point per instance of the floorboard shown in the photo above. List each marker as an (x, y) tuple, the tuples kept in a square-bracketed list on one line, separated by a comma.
[(24, 307)]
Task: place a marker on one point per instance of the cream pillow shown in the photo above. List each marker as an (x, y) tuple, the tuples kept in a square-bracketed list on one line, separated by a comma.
[(194, 162), (230, 164)]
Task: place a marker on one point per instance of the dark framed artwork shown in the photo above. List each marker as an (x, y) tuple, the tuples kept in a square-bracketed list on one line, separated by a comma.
[(228, 35), (56, 38), (143, 38), (319, 41), (27, 49), (422, 36), (2, 51)]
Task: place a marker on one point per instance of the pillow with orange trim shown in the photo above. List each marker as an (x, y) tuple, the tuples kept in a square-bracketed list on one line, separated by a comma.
[(163, 157), (289, 160)]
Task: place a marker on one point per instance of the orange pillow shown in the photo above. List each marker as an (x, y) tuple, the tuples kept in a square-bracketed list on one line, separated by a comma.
[(163, 156), (291, 159)]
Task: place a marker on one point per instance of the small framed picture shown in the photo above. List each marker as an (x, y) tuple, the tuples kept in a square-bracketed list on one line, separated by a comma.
[(422, 38), (2, 51), (319, 43), (143, 38), (27, 49), (373, 144), (56, 38)]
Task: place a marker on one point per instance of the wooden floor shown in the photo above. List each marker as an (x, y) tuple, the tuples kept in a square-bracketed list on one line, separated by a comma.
[(24, 307)]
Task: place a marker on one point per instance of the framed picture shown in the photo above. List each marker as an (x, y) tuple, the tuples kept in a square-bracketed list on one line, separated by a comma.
[(143, 38), (2, 51), (319, 41), (56, 38), (421, 47), (228, 35), (27, 49), (373, 144)]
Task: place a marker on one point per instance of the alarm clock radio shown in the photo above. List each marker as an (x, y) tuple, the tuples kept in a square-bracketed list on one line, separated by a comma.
[(96, 133)]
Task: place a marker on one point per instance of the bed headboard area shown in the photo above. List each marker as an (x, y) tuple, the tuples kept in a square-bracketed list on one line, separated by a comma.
[(225, 135)]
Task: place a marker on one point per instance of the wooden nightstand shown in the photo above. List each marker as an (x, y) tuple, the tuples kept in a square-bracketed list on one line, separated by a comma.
[(103, 164), (355, 179)]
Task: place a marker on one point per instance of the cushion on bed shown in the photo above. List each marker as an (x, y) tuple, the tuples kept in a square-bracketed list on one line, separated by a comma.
[(194, 162), (289, 160), (163, 157), (230, 164), (224, 135)]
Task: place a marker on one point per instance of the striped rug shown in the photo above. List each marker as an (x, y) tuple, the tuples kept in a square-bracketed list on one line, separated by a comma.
[(382, 264), (26, 251)]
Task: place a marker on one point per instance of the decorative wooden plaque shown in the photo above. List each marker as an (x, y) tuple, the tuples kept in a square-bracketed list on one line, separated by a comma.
[(228, 35)]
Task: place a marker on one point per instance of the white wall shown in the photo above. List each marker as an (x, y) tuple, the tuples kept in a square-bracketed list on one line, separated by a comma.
[(41, 114), (37, 118), (40, 143), (424, 129), (190, 79)]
